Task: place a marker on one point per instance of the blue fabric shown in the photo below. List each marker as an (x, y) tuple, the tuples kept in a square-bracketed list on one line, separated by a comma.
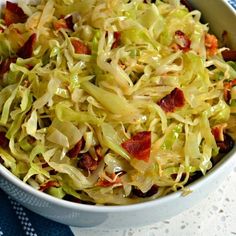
[(16, 220), (233, 3)]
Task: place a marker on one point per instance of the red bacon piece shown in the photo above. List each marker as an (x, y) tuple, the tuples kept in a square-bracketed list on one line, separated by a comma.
[(182, 40), (211, 44), (229, 55), (14, 14), (64, 23), (70, 23), (80, 47), (1, 30), (5, 65), (139, 145), (117, 40), (227, 89), (74, 152), (105, 183), (172, 101), (86, 162), (26, 50), (60, 24), (3, 140), (43, 187)]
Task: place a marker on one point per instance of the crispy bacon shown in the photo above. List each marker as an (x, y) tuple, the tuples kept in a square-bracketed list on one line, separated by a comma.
[(172, 101), (70, 23), (27, 50), (60, 24), (211, 44), (227, 89), (115, 179), (182, 40), (229, 55), (139, 145), (5, 65), (137, 192), (14, 14), (43, 187), (218, 132), (74, 152), (80, 47), (87, 162), (117, 40), (64, 23), (3, 140)]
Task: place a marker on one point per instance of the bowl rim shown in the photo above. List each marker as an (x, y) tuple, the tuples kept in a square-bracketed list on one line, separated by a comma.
[(212, 173)]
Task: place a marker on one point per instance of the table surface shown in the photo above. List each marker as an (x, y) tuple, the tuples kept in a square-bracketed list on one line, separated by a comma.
[(214, 216)]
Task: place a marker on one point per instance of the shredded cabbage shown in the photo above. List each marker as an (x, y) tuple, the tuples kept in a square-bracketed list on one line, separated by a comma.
[(66, 110)]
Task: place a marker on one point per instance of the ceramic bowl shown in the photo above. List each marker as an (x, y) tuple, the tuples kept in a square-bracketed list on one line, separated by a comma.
[(81, 215)]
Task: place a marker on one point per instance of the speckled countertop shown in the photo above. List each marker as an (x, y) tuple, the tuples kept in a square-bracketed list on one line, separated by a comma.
[(214, 216)]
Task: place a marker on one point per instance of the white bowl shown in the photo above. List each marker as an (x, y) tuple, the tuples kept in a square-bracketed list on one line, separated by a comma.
[(81, 215)]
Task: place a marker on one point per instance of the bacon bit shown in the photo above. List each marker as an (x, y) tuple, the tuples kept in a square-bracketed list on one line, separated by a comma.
[(137, 192), (218, 132), (98, 151), (14, 14), (211, 44), (5, 65), (80, 47), (48, 184), (117, 40), (187, 4), (70, 23), (229, 55), (64, 23), (182, 40), (31, 140), (139, 145), (45, 165), (87, 162), (1, 30), (27, 50), (172, 101), (60, 24), (74, 152), (3, 140), (227, 89), (111, 180), (226, 145)]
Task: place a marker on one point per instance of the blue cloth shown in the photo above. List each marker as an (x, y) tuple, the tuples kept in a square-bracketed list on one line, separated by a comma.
[(15, 220), (233, 3)]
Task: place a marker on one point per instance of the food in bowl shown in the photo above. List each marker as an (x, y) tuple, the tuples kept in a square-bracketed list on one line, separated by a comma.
[(112, 102)]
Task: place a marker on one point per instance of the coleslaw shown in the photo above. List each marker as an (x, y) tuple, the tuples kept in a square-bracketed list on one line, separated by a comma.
[(112, 101)]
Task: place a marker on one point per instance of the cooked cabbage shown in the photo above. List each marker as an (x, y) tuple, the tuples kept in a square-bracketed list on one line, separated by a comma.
[(114, 101)]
